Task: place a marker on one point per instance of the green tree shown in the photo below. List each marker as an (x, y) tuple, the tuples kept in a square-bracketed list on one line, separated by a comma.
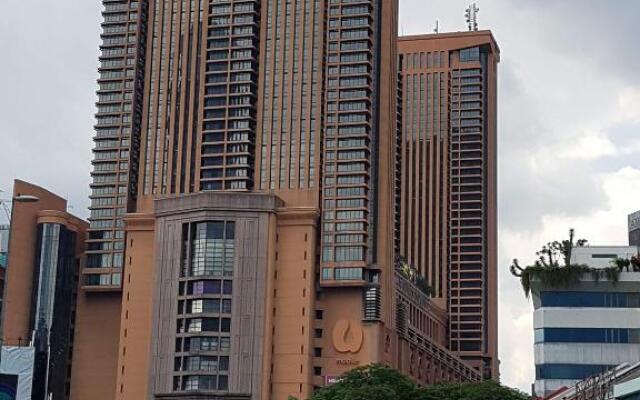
[(374, 382), (377, 382), (487, 390)]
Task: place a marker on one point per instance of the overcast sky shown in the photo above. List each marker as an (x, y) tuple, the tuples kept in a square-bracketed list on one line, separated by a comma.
[(569, 129)]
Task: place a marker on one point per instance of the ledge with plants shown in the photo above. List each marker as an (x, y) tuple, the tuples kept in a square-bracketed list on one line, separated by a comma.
[(412, 275), (553, 268)]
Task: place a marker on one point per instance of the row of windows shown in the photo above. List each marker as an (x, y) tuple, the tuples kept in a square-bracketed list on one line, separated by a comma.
[(214, 286), (204, 343), (215, 306), (197, 325), (206, 382), (344, 203), (102, 279), (344, 226), (570, 371), (587, 335), (342, 274), (202, 363), (237, 30), (424, 60), (590, 299)]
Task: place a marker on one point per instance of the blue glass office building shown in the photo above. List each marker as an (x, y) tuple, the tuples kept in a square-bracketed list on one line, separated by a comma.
[(587, 328), (55, 278)]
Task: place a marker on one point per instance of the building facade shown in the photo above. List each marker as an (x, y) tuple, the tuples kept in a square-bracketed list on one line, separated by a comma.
[(45, 247), (587, 328), (244, 229), (449, 185), (4, 244), (634, 228)]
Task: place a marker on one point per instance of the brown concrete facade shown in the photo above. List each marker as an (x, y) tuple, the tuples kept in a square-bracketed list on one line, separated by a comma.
[(449, 181), (285, 337), (268, 131), (95, 357), (22, 252)]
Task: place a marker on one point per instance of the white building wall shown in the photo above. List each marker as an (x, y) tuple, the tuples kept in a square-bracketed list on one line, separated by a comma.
[(586, 318), (586, 353), (592, 255), (19, 361)]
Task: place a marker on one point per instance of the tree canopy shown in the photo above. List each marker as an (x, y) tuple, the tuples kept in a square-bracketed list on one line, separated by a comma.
[(377, 382)]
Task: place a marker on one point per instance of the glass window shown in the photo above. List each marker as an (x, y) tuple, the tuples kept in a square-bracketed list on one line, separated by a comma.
[(469, 55), (348, 273), (569, 371), (589, 299), (587, 335)]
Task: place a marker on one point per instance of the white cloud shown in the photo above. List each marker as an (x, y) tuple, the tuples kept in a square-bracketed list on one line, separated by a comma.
[(608, 225), (629, 105), (590, 146)]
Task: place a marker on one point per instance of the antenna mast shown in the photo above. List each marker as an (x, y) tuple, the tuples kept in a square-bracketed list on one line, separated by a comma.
[(437, 28), (472, 17)]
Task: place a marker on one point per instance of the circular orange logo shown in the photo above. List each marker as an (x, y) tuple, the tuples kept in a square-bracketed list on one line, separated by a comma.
[(347, 336)]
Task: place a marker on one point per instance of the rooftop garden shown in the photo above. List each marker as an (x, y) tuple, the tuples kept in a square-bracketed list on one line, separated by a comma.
[(553, 267)]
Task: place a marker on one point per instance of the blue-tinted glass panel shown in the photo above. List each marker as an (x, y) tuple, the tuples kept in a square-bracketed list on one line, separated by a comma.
[(590, 299), (587, 335), (569, 371), (471, 54)]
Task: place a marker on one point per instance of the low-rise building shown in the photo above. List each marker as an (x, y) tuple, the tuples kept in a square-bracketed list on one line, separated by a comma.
[(619, 383), (45, 249), (589, 327)]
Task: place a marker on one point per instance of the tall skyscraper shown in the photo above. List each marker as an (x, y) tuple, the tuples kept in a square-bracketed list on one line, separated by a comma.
[(448, 173), (243, 239)]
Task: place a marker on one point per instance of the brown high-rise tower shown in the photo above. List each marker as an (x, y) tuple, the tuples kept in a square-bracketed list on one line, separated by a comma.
[(448, 211), (244, 226)]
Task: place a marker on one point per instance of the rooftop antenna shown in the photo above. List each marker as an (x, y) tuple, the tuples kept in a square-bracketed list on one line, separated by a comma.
[(437, 28), (472, 17)]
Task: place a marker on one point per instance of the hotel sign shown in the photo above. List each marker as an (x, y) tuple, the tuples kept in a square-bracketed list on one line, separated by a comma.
[(330, 380)]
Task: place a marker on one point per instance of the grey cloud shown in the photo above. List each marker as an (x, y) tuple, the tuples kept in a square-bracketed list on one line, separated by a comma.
[(602, 32), (533, 180), (47, 76)]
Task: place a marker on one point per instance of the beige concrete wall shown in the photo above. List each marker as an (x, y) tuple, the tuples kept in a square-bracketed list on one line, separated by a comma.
[(136, 311), (293, 307), (95, 347)]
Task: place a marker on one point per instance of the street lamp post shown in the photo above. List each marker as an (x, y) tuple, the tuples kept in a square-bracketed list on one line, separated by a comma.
[(21, 198)]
